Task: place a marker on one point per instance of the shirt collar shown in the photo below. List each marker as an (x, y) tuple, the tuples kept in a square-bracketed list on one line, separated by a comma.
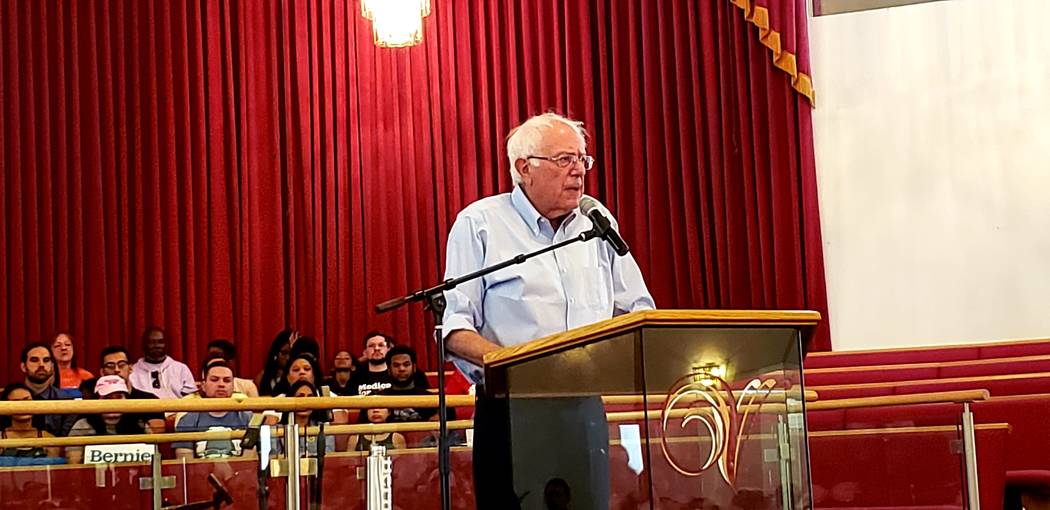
[(529, 213)]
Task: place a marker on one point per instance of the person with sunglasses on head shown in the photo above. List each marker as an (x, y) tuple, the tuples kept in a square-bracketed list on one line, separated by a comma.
[(158, 373)]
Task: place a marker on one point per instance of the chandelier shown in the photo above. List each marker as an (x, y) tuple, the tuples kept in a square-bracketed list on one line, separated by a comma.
[(396, 23)]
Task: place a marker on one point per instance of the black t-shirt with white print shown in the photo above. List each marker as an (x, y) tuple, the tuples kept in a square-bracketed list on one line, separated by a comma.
[(365, 382)]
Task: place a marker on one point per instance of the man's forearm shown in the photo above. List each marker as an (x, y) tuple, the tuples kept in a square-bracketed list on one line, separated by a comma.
[(470, 346)]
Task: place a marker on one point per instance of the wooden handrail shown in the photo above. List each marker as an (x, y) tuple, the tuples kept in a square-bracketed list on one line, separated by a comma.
[(928, 429), (950, 429), (369, 428), (846, 403), (260, 404), (944, 397), (256, 404), (219, 435), (658, 398)]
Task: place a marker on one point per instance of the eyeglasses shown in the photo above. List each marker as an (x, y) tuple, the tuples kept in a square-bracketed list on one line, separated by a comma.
[(568, 160), (113, 365), (156, 378)]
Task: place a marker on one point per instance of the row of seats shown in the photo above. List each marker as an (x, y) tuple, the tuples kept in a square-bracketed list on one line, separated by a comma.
[(933, 354), (1016, 375)]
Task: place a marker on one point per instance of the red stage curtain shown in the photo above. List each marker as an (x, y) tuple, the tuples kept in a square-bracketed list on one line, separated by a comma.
[(225, 169)]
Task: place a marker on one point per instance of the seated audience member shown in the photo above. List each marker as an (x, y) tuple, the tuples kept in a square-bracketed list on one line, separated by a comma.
[(158, 373), (302, 366), (108, 387), (276, 359), (364, 442), (22, 426), (342, 369), (221, 348), (374, 376), (363, 360), (114, 361), (217, 382), (69, 374), (39, 369), (406, 380), (301, 389)]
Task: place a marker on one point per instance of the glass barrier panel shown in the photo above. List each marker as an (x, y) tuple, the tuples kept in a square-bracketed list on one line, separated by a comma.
[(110, 486), (888, 467)]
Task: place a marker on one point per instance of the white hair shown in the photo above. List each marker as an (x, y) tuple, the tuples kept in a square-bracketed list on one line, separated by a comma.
[(523, 140)]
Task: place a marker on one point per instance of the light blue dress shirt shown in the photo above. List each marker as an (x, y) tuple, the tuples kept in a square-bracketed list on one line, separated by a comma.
[(576, 285)]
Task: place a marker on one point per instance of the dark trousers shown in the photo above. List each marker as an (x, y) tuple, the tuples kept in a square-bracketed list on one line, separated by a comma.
[(521, 445)]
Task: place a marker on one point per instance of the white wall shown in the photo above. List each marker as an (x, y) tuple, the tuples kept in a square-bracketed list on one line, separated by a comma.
[(932, 132)]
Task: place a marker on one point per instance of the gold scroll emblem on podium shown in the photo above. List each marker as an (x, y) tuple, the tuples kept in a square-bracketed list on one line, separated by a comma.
[(706, 399)]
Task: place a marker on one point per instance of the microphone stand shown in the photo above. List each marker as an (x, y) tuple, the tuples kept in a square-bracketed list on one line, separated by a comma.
[(434, 298)]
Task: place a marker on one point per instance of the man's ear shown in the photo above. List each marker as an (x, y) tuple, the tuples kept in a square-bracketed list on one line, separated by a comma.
[(25, 369), (524, 168)]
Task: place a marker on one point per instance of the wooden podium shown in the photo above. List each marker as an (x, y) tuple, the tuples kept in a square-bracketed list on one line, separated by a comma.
[(659, 408)]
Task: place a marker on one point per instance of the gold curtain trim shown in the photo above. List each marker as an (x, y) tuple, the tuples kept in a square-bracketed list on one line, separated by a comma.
[(783, 60)]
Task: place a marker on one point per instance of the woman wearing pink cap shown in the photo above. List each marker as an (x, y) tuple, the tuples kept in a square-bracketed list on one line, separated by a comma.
[(108, 387)]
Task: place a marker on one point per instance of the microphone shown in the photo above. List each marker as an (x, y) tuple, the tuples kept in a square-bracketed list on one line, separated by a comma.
[(601, 224)]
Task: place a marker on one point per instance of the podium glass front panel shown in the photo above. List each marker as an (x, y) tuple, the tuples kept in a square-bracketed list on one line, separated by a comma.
[(662, 417)]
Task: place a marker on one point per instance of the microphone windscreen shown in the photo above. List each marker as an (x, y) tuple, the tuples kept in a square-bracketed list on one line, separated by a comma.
[(588, 204)]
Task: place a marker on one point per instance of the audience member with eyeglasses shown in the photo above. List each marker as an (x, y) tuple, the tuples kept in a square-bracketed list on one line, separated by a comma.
[(579, 285), (158, 373), (114, 361)]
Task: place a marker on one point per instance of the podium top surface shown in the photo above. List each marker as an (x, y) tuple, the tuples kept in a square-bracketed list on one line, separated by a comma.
[(585, 334)]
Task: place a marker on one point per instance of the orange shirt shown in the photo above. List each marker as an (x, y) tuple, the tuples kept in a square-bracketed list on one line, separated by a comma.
[(71, 378)]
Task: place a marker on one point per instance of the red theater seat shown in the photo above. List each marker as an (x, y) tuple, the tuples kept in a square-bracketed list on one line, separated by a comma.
[(997, 385), (829, 419), (1019, 384), (890, 357), (931, 354), (1013, 349), (1004, 366), (875, 374), (920, 415)]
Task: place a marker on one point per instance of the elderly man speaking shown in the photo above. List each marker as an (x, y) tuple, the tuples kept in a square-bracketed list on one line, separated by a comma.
[(577, 285)]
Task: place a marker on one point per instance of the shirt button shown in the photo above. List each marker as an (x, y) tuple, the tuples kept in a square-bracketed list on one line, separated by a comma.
[(563, 270), (572, 301)]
